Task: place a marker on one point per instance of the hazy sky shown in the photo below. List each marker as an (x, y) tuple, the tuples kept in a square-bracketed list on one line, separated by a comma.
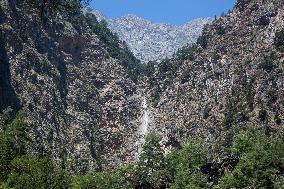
[(166, 11)]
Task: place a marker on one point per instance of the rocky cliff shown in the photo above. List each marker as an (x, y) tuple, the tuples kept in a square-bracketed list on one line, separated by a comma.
[(231, 80), (81, 102), (152, 41)]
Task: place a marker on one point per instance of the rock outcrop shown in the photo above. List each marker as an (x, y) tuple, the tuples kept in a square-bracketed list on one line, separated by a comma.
[(233, 80), (81, 104), (152, 41)]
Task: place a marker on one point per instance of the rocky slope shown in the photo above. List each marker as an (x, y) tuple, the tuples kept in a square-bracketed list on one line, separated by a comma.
[(152, 41), (232, 80), (81, 103)]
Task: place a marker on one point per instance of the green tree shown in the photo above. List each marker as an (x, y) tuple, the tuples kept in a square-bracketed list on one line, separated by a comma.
[(31, 172), (185, 166), (260, 163), (12, 143), (118, 179), (151, 168), (5, 117), (187, 52)]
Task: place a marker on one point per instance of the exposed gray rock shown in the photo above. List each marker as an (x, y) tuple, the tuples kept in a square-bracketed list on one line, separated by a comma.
[(235, 81), (81, 104), (153, 41)]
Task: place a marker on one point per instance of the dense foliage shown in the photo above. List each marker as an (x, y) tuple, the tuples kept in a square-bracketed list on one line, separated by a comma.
[(12, 138), (260, 165), (185, 165), (151, 167), (253, 160), (17, 170), (187, 52)]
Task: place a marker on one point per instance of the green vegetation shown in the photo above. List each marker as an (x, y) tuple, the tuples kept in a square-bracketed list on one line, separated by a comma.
[(220, 30), (187, 52), (260, 162), (279, 40), (203, 39), (257, 163), (31, 172), (12, 138), (47, 7), (185, 165), (20, 171), (151, 168), (104, 180), (268, 63), (186, 75)]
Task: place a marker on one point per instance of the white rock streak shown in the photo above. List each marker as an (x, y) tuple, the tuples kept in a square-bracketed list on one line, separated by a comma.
[(143, 129)]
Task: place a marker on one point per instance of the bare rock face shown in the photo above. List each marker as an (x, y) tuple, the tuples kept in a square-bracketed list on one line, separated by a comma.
[(152, 41), (234, 80), (81, 103)]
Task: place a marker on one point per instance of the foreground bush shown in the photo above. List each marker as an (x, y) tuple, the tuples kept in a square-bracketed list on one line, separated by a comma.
[(185, 166), (261, 162), (33, 172)]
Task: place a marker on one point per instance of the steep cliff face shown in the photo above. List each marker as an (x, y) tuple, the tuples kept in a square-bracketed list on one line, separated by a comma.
[(232, 80), (81, 103)]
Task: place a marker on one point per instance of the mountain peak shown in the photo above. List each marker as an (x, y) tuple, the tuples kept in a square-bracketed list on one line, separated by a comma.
[(151, 41)]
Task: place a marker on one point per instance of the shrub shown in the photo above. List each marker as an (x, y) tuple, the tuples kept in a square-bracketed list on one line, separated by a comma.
[(264, 20), (263, 115), (185, 166), (103, 180), (12, 144), (277, 119), (220, 30), (31, 172), (267, 64), (260, 161), (203, 41), (279, 40), (186, 75), (187, 52)]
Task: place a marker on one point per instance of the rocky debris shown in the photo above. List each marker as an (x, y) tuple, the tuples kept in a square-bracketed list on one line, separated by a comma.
[(234, 81), (152, 41)]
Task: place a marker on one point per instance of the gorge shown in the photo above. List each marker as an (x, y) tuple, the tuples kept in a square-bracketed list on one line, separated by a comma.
[(205, 117)]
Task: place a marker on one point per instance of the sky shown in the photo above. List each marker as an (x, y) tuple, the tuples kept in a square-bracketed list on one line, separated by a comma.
[(163, 11)]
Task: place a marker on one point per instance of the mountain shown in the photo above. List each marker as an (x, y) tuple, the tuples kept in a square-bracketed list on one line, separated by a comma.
[(152, 41), (231, 80), (88, 103), (75, 82)]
